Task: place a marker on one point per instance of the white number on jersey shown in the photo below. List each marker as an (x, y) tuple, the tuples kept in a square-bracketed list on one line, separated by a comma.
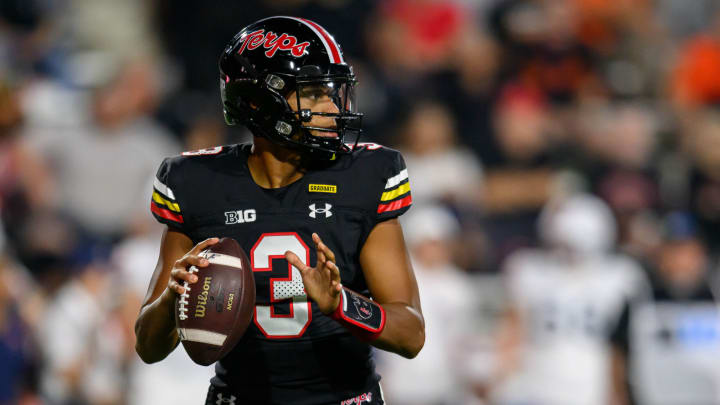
[(273, 246)]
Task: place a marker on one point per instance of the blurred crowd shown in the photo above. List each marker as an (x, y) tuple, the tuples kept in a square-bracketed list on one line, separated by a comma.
[(564, 158)]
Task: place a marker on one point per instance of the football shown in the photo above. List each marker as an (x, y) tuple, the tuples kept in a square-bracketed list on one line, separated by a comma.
[(213, 313)]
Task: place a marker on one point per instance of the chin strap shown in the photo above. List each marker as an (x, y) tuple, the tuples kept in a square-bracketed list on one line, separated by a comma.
[(363, 317)]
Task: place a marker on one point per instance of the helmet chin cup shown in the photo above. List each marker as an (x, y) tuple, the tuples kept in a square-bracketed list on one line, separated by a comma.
[(280, 57)]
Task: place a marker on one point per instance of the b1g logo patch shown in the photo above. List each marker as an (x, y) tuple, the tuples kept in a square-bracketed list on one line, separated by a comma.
[(240, 216), (273, 43)]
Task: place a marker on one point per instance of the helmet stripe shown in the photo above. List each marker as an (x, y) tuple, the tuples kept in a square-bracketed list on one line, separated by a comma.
[(331, 46), (334, 48)]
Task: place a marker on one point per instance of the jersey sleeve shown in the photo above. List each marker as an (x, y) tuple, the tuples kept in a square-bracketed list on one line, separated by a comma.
[(395, 198), (164, 204)]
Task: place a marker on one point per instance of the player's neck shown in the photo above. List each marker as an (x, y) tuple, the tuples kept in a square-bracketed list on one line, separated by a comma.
[(272, 166)]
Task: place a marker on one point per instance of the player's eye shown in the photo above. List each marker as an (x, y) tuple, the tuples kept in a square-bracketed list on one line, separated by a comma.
[(317, 92), (311, 94), (314, 94)]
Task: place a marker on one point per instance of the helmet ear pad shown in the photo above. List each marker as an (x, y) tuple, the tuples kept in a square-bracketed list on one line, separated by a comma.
[(258, 107)]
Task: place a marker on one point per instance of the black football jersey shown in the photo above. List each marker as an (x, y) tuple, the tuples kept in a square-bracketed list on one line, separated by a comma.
[(292, 353)]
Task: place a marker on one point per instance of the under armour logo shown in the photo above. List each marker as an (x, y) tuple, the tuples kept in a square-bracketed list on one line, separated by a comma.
[(314, 210), (222, 400)]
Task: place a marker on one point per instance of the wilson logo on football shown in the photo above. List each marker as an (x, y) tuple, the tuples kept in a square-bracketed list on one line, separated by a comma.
[(273, 43)]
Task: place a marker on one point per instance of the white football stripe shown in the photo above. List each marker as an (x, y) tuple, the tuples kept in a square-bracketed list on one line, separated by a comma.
[(221, 259), (163, 188), (202, 336), (395, 180)]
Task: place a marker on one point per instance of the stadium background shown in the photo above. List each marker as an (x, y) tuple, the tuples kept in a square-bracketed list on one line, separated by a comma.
[(502, 108)]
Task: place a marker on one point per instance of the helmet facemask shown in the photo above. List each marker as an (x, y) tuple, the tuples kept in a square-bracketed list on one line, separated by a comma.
[(269, 113), (337, 129)]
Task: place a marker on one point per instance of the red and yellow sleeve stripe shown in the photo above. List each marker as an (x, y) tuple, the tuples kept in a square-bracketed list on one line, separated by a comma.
[(163, 203), (397, 193)]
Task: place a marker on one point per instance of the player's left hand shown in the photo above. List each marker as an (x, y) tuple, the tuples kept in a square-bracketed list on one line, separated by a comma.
[(322, 283)]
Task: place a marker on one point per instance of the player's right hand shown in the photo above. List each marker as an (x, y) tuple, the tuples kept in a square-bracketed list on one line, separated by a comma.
[(180, 274), (322, 283)]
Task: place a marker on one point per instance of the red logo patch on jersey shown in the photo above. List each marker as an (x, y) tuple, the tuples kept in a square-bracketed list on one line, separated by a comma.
[(358, 399), (273, 43)]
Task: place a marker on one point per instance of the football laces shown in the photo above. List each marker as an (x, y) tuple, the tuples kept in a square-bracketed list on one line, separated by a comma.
[(182, 309)]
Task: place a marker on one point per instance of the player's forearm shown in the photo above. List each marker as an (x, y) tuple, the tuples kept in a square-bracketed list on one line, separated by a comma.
[(155, 330), (619, 393), (404, 331)]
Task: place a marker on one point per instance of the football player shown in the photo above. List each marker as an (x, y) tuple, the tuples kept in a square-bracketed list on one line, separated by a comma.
[(564, 299), (315, 210)]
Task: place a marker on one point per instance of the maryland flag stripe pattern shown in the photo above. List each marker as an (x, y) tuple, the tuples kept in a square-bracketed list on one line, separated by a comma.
[(163, 203), (397, 193)]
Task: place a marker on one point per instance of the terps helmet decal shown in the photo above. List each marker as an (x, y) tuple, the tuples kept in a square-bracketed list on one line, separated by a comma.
[(273, 43)]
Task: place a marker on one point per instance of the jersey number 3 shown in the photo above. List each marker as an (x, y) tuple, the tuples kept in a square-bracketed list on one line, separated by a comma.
[(275, 326)]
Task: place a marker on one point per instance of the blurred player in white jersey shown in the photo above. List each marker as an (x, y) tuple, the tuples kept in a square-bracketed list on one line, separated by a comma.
[(667, 346), (564, 300), (437, 375)]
